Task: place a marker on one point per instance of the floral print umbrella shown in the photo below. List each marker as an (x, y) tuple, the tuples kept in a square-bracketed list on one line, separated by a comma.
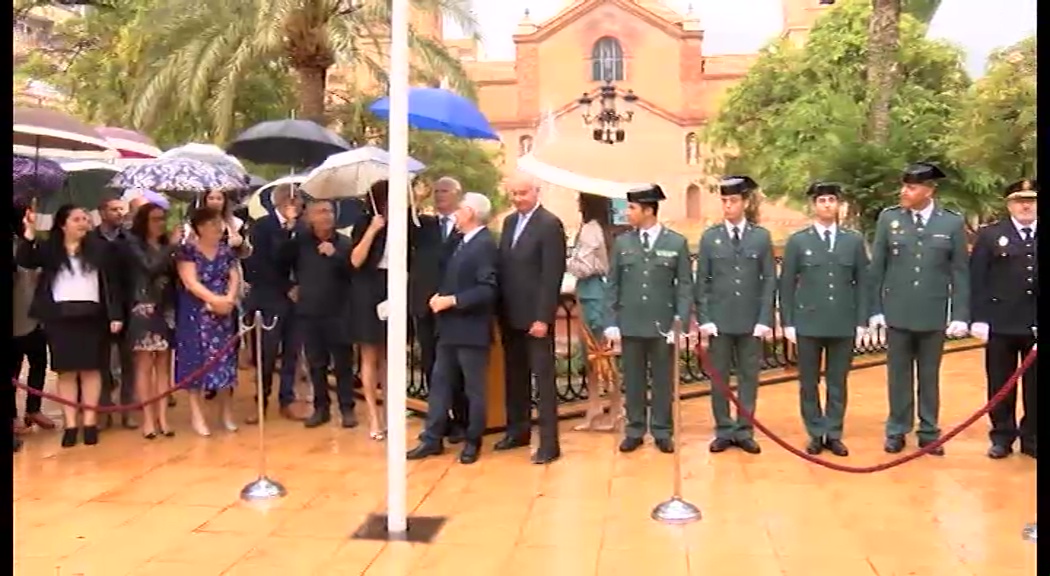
[(180, 178), (36, 177)]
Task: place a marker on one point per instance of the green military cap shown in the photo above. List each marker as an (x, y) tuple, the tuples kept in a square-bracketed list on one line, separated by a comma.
[(818, 189), (737, 186), (1022, 189), (921, 173), (650, 194)]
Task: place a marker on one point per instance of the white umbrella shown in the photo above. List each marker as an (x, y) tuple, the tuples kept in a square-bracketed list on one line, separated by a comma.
[(572, 181), (350, 174), (255, 206), (209, 154)]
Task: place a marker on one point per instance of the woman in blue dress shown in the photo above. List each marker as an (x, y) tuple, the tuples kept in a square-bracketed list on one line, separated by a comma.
[(206, 319)]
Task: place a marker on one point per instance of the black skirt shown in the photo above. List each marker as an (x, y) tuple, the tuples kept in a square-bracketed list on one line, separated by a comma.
[(367, 289), (77, 344)]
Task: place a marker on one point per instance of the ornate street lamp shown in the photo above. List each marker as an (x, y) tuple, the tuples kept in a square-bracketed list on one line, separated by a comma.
[(607, 121)]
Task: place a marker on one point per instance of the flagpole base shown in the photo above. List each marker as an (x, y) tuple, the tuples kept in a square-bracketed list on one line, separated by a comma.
[(1029, 532), (675, 511), (263, 489)]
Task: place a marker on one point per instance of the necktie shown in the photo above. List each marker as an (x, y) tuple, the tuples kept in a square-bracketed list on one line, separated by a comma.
[(1026, 233), (517, 229), (827, 239), (645, 240), (736, 235), (444, 227), (918, 220)]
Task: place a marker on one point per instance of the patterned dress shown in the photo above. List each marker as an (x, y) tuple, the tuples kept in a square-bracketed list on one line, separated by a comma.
[(199, 334)]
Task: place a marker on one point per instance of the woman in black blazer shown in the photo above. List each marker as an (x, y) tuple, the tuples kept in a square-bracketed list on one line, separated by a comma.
[(78, 301)]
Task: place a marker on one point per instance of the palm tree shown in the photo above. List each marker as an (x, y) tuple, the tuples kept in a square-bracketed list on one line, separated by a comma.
[(205, 48), (883, 45)]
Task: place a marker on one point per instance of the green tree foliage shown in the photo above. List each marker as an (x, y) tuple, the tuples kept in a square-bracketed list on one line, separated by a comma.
[(800, 115)]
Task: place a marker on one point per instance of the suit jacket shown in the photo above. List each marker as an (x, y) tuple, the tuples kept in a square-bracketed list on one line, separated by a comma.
[(429, 260), (43, 256), (735, 286), (824, 294), (324, 281), (531, 271), (1005, 274), (471, 278), (269, 279), (121, 259), (914, 275)]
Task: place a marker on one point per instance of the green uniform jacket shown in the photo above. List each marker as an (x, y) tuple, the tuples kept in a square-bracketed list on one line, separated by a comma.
[(824, 294), (645, 288), (914, 276), (735, 286)]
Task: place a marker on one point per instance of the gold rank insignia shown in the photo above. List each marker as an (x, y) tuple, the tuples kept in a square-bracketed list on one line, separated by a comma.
[(1003, 241)]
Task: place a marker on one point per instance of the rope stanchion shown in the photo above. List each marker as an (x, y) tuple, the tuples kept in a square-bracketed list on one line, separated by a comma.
[(182, 385), (722, 386), (263, 487)]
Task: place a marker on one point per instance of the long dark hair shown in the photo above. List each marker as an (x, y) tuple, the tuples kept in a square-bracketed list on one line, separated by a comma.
[(598, 209), (90, 250), (17, 216), (140, 223)]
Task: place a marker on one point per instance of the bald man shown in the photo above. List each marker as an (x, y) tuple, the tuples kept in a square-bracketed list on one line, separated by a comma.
[(531, 267)]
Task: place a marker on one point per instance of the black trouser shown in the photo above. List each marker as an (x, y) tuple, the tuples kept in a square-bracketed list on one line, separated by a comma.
[(31, 347), (426, 336), (527, 360), (464, 367), (282, 340), (323, 338), (1002, 356), (127, 371)]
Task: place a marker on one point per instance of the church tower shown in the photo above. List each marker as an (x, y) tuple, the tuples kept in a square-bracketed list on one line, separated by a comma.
[(799, 17)]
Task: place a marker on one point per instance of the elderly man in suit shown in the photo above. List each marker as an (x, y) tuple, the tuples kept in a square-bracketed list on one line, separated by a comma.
[(463, 306), (531, 268), (434, 241)]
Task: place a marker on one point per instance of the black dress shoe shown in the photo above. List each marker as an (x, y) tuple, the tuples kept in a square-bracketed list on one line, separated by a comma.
[(999, 451), (630, 444), (510, 443), (349, 419), (815, 446), (318, 418), (665, 445), (894, 444), (836, 447), (90, 435), (1028, 450), (543, 457), (938, 451), (470, 452), (425, 449), (749, 445), (455, 435), (720, 445), (69, 437)]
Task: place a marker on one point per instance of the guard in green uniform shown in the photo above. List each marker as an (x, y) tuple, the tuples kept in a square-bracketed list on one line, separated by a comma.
[(823, 307), (649, 284), (919, 264), (735, 287)]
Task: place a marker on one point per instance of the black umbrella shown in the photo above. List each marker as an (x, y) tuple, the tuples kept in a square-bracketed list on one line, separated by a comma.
[(288, 143)]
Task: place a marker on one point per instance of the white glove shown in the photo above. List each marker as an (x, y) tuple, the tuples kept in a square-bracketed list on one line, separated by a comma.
[(789, 335), (858, 340), (383, 310), (877, 321), (709, 330), (612, 334), (762, 331), (957, 329), (979, 330)]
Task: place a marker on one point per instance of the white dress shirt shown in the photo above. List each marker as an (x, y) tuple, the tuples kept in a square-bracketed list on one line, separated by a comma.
[(653, 232), (820, 228)]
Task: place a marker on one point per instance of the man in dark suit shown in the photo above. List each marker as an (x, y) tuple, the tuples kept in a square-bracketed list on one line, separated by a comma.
[(272, 293), (1004, 296), (463, 307), (434, 241), (111, 229), (531, 268)]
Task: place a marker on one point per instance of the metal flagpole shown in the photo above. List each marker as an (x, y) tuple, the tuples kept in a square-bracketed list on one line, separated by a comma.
[(676, 510), (263, 487), (397, 272)]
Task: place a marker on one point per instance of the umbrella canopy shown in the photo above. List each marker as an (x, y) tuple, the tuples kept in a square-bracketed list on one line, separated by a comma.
[(440, 110), (42, 128), (86, 182), (147, 195), (36, 177), (287, 142), (208, 154), (352, 173), (181, 178), (129, 143), (566, 179), (260, 202)]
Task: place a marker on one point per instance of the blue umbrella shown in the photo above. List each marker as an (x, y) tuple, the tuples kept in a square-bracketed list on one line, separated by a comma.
[(439, 110), (180, 178)]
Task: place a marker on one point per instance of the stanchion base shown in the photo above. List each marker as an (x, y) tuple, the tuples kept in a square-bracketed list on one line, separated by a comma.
[(1029, 532), (676, 511), (419, 529), (263, 488)]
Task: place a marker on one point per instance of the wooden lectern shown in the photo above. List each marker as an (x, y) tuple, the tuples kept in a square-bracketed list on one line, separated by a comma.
[(495, 393)]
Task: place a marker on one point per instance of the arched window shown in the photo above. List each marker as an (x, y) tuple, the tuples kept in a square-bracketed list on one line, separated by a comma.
[(607, 60), (524, 145), (692, 202), (692, 149)]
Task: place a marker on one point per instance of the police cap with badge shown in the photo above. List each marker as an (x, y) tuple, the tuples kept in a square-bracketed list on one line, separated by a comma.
[(922, 173), (1022, 190), (737, 186)]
